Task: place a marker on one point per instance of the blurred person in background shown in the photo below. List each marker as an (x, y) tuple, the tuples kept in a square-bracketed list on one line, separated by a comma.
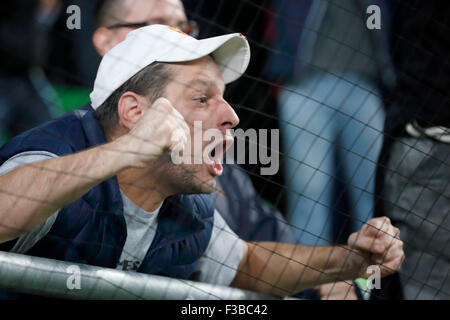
[(26, 97), (330, 66), (331, 69)]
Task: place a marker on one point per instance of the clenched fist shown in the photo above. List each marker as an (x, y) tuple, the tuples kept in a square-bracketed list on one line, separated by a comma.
[(160, 130), (379, 242)]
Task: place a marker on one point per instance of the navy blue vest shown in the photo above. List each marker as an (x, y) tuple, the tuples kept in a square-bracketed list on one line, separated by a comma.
[(92, 229)]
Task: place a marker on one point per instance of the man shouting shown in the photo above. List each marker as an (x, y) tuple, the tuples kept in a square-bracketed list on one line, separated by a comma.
[(100, 187)]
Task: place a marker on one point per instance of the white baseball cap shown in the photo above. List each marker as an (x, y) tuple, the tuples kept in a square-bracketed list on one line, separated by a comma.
[(160, 43)]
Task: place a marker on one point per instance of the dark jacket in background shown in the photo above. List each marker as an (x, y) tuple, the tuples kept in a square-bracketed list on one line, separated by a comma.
[(420, 50)]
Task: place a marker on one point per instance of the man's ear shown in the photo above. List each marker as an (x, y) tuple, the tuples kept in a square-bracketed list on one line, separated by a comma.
[(102, 40), (131, 108)]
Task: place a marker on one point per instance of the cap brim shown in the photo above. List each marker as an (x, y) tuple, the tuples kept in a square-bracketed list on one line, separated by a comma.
[(231, 53)]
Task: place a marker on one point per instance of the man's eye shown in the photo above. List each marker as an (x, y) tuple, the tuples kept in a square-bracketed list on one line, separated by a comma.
[(202, 99)]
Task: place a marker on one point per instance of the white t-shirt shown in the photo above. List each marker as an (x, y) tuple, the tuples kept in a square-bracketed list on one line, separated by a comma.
[(218, 264)]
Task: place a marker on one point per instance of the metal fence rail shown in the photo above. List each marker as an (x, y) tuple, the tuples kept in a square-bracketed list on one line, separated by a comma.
[(46, 277)]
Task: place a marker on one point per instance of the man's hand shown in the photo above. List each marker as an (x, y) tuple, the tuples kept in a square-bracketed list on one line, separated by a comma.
[(379, 241), (160, 130), (285, 269)]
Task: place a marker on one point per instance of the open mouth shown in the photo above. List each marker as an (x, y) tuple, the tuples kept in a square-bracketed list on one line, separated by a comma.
[(215, 155)]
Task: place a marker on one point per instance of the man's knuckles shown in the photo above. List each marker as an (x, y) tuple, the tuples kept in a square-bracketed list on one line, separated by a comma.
[(377, 226), (366, 243)]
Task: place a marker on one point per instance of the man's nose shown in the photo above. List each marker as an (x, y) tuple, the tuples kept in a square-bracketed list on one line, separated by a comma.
[(228, 118)]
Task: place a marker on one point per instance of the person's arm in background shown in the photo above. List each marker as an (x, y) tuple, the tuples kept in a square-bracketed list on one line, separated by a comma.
[(36, 191), (284, 269)]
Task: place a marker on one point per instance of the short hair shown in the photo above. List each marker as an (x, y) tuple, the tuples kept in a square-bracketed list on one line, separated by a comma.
[(105, 12), (150, 82)]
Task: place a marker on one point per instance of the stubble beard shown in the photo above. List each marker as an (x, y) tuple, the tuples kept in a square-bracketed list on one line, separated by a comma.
[(184, 178)]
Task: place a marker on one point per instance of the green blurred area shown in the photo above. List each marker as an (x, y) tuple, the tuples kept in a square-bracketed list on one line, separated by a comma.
[(72, 97), (4, 137)]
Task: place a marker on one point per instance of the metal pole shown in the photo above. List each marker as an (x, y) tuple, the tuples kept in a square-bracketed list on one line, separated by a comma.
[(46, 277)]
